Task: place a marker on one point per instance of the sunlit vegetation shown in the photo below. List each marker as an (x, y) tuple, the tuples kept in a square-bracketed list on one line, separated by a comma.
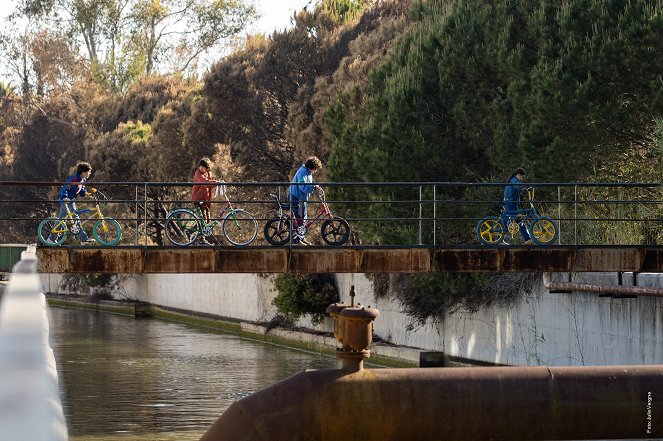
[(397, 90)]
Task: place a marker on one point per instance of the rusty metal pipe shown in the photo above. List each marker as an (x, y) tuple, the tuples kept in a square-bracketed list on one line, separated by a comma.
[(601, 289), (500, 403)]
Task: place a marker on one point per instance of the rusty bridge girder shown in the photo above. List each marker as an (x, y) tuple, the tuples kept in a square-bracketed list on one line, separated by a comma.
[(345, 259)]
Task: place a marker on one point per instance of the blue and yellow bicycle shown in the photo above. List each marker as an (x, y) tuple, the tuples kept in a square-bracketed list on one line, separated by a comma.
[(106, 231), (543, 230)]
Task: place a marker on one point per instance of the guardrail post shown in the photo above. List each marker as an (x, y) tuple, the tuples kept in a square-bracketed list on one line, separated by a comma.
[(136, 202), (434, 215), (145, 212), (575, 215), (420, 213), (559, 215)]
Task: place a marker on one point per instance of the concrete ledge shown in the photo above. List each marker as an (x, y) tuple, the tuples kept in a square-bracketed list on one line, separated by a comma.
[(29, 392)]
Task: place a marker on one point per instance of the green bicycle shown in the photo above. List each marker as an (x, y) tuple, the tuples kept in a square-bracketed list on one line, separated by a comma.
[(106, 231), (183, 226)]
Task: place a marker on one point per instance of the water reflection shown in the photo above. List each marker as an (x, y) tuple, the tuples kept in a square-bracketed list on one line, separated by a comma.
[(126, 379)]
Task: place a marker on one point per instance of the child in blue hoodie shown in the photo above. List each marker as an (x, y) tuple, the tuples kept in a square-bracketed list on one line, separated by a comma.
[(512, 200), (69, 192), (298, 194)]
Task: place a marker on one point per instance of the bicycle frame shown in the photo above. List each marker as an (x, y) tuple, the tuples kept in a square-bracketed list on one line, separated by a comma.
[(323, 212), (61, 227), (522, 215), (227, 208)]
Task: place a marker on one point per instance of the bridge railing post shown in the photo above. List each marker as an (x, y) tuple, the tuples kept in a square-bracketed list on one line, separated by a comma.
[(136, 209), (559, 215), (145, 212), (575, 215), (434, 215), (420, 212)]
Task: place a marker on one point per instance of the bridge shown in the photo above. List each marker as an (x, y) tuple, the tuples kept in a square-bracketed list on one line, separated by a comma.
[(362, 259), (402, 227)]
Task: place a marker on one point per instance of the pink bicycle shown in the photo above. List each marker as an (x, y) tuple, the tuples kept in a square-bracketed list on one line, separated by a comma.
[(335, 231)]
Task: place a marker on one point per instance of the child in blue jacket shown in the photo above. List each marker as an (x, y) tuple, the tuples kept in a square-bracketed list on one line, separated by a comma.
[(298, 194), (512, 200), (70, 191)]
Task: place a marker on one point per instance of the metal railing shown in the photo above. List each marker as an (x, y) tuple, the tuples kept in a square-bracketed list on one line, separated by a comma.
[(382, 214)]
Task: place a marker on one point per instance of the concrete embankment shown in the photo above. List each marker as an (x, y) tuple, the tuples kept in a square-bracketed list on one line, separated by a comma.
[(541, 328)]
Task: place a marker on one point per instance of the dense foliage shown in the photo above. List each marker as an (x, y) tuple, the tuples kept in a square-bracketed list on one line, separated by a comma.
[(305, 294)]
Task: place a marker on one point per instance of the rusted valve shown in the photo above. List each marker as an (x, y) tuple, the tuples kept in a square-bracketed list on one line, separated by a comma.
[(333, 310), (353, 328)]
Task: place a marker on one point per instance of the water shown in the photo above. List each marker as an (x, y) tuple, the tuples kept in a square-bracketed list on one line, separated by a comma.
[(146, 379)]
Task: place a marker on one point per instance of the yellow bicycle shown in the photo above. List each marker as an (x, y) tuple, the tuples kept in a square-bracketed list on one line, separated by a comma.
[(492, 230), (106, 231)]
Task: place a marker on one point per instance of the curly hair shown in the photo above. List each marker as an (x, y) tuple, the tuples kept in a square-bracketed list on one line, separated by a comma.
[(313, 163)]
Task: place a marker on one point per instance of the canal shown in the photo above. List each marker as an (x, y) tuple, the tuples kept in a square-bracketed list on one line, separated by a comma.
[(145, 379)]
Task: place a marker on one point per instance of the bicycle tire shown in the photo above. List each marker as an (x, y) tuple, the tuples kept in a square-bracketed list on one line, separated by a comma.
[(107, 231), (182, 227), (490, 231), (277, 231), (239, 227), (335, 232), (543, 231), (45, 229)]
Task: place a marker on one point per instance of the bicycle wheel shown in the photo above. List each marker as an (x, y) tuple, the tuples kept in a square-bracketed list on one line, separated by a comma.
[(490, 231), (335, 231), (277, 231), (239, 227), (107, 231), (182, 227), (52, 231), (543, 231)]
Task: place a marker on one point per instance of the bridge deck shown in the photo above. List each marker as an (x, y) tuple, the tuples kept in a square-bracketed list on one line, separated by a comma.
[(340, 260)]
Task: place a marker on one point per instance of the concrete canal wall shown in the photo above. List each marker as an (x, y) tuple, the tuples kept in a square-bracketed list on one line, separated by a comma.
[(557, 329)]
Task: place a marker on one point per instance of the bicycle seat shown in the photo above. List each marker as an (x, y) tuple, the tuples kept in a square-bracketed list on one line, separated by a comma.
[(282, 205)]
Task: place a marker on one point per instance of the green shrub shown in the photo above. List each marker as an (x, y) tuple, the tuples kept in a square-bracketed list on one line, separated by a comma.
[(302, 294)]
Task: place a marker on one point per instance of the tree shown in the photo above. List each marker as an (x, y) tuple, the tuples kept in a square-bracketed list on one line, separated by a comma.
[(185, 28), (124, 39), (354, 47), (476, 89)]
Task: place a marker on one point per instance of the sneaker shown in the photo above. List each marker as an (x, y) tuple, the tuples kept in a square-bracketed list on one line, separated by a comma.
[(88, 241), (299, 240), (528, 242)]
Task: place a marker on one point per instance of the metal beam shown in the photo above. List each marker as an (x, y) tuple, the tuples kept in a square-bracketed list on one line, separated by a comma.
[(346, 259)]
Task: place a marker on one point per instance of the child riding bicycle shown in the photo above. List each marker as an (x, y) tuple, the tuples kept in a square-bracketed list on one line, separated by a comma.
[(70, 191), (298, 195), (512, 201), (201, 195)]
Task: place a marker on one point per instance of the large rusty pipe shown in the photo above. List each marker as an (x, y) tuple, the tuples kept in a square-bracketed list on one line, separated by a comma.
[(497, 403), (601, 289)]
